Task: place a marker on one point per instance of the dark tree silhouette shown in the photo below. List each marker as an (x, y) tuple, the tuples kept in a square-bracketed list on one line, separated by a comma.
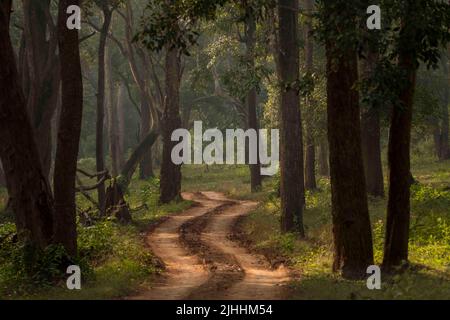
[(291, 146), (351, 224), (68, 132), (28, 188), (170, 183)]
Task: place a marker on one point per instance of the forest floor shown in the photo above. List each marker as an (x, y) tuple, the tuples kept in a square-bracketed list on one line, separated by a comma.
[(226, 244)]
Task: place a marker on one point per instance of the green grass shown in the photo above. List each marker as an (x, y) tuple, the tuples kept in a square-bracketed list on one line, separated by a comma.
[(233, 180), (429, 275)]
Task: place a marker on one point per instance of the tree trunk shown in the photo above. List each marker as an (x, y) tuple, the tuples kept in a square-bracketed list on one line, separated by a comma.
[(170, 182), (255, 169), (398, 211), (146, 165), (310, 157), (371, 139), (113, 122), (352, 233), (121, 124), (2, 176), (444, 146), (324, 168), (291, 151), (99, 153), (371, 146), (310, 165), (68, 132), (40, 43), (28, 187), (115, 202)]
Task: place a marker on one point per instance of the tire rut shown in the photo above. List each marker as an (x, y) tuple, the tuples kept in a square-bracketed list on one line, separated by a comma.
[(202, 262)]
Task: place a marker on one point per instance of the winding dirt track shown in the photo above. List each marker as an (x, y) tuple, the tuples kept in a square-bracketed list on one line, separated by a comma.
[(201, 262)]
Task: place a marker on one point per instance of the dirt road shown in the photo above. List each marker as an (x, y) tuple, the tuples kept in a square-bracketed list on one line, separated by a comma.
[(203, 263)]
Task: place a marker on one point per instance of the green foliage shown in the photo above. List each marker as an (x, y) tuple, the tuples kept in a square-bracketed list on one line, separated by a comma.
[(174, 23), (96, 242), (414, 29), (23, 269)]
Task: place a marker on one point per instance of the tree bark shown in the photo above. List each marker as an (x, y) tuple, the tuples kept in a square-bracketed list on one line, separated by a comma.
[(398, 211), (255, 169), (28, 187), (371, 146), (121, 125), (371, 138), (310, 157), (291, 151), (146, 165), (170, 182), (442, 132), (352, 233), (68, 132), (42, 90), (100, 161), (2, 176), (324, 168), (113, 122), (115, 202)]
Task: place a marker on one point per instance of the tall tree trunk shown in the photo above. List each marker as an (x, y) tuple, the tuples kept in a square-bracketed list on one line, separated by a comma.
[(310, 157), (324, 168), (146, 165), (113, 123), (444, 146), (371, 139), (40, 43), (121, 124), (28, 187), (291, 155), (352, 233), (310, 162), (351, 224), (2, 176), (68, 132), (255, 169), (398, 211), (170, 185), (99, 146), (371, 146)]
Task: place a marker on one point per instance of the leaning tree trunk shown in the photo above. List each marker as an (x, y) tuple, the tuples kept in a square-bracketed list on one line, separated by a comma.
[(68, 132), (115, 203), (398, 211), (310, 157), (371, 138), (99, 146), (170, 181), (255, 169), (28, 188), (291, 151)]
